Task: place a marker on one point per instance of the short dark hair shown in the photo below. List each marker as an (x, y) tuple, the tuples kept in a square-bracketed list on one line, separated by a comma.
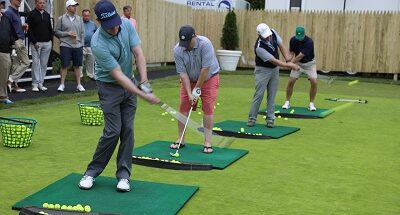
[(127, 7), (85, 10)]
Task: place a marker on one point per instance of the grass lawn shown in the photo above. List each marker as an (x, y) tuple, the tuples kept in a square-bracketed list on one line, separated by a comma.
[(347, 163)]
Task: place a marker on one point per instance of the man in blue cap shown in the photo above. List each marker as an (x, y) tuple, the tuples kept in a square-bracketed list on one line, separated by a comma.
[(113, 45), (302, 47)]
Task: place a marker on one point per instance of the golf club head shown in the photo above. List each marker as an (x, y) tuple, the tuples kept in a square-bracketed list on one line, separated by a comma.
[(176, 154), (331, 80)]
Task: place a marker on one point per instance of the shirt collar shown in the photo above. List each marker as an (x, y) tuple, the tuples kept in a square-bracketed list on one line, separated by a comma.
[(73, 16), (107, 35), (15, 10)]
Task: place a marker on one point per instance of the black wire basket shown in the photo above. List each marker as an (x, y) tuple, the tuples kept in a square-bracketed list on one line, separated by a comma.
[(91, 113), (17, 132)]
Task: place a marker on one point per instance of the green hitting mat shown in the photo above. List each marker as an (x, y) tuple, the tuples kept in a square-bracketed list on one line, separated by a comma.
[(299, 112), (258, 131), (157, 154), (144, 197)]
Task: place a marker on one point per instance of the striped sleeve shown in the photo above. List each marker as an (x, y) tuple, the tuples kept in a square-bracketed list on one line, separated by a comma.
[(180, 66), (207, 54)]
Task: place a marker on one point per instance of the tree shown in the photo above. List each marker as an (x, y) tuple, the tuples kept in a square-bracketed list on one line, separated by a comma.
[(230, 36)]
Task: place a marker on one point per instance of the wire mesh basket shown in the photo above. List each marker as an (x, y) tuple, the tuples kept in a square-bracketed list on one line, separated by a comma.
[(17, 132), (91, 113)]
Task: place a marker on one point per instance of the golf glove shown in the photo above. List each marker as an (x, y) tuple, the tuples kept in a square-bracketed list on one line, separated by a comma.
[(145, 87), (196, 93)]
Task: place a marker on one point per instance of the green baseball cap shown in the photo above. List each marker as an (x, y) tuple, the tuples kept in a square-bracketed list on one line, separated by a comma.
[(300, 33)]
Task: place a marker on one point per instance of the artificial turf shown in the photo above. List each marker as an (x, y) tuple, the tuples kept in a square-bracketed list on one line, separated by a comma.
[(347, 163)]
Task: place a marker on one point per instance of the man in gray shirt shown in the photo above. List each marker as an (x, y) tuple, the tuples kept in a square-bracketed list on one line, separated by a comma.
[(71, 32), (267, 71), (198, 69)]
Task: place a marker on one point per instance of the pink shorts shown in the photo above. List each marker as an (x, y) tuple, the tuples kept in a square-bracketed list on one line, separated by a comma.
[(209, 92)]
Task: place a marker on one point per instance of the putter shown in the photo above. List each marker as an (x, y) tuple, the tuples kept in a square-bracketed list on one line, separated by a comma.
[(222, 141), (362, 101), (176, 154)]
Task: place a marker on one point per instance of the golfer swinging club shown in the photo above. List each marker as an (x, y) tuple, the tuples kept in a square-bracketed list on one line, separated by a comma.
[(198, 69), (113, 45)]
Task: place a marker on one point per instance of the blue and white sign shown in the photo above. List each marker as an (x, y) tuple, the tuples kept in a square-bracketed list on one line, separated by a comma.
[(210, 4)]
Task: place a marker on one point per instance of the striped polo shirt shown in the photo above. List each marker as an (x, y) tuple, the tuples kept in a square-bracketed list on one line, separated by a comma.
[(201, 56)]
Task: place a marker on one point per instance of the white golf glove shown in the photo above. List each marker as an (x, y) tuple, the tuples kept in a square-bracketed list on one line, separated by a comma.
[(13, 53), (196, 92), (145, 87)]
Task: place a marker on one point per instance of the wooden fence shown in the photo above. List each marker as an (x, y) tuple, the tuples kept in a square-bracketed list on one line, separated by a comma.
[(344, 41)]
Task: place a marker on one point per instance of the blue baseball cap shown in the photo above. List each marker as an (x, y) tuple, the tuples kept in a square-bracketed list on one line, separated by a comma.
[(186, 33), (107, 14)]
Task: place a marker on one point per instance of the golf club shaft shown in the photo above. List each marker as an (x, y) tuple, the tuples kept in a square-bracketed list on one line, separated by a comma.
[(184, 129), (222, 141)]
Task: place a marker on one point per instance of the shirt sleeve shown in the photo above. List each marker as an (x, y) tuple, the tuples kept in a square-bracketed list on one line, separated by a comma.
[(264, 54), (57, 29), (180, 66), (29, 21), (291, 45), (134, 39), (278, 38), (103, 59), (207, 55)]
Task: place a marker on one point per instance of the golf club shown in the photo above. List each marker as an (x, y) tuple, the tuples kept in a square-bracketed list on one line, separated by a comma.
[(327, 79), (176, 154), (222, 141), (362, 101)]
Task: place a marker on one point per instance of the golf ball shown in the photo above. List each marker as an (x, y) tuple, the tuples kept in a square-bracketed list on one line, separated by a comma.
[(173, 120), (285, 118), (218, 103)]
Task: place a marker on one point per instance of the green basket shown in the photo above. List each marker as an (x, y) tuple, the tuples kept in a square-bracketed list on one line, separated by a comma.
[(17, 132), (91, 113)]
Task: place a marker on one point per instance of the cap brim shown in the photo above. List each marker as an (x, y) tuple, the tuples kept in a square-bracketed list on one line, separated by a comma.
[(184, 43), (266, 34), (111, 22)]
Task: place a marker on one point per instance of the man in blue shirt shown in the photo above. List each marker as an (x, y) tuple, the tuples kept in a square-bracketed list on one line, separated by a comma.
[(21, 61), (90, 28), (113, 45), (302, 47), (7, 39)]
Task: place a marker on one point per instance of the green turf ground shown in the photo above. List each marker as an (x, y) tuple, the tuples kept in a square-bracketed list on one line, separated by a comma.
[(347, 163)]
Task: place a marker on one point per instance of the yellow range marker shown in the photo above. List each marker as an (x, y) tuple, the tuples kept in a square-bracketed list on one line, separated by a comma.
[(353, 82), (342, 107)]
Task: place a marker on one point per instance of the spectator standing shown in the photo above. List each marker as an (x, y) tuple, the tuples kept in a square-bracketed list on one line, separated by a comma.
[(40, 35), (71, 31), (128, 15), (88, 58), (21, 62), (7, 39)]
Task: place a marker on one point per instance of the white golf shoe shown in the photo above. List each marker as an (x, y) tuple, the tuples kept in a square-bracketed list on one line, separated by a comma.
[(61, 88), (86, 182), (123, 185), (312, 107), (286, 105)]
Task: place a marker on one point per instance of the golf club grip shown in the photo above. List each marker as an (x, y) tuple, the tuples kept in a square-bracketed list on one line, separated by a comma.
[(14, 120)]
